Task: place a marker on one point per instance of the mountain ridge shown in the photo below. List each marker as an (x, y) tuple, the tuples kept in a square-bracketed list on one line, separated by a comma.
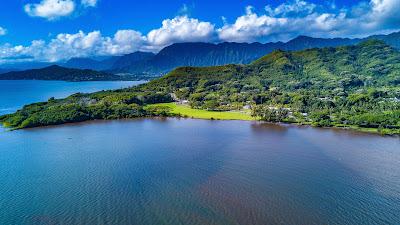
[(211, 54), (150, 65), (350, 86), (55, 72)]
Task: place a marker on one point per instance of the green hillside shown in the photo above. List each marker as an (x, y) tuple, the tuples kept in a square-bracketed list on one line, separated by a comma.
[(353, 86)]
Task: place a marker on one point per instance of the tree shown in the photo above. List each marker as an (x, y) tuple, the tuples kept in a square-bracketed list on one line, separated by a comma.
[(268, 113)]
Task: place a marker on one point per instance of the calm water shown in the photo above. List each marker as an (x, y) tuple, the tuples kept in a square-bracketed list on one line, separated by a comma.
[(172, 171), (15, 94)]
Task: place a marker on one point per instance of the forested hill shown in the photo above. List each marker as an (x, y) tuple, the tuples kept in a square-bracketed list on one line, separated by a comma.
[(354, 86), (59, 73), (208, 54), (371, 64)]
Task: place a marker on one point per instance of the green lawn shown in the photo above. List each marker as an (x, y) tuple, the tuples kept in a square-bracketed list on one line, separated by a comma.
[(184, 110)]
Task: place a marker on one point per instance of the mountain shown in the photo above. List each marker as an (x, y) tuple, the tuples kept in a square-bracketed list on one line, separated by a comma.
[(59, 73), (371, 63), (149, 65), (196, 54), (305, 42), (115, 62), (199, 54), (88, 63), (24, 65), (352, 86), (130, 59), (392, 39), (6, 70), (207, 54)]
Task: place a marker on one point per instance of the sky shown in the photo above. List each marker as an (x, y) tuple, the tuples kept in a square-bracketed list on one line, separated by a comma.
[(57, 30)]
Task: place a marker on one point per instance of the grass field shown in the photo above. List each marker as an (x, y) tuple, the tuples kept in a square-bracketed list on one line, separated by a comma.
[(186, 111)]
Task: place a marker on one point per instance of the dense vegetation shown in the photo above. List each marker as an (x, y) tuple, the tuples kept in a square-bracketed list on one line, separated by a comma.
[(82, 107), (354, 86)]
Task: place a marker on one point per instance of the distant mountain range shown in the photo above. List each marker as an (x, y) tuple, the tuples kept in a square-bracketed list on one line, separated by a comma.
[(6, 70), (208, 54), (59, 73), (88, 63), (18, 66), (145, 64)]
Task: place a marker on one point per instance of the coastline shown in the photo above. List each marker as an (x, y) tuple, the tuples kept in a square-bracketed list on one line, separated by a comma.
[(371, 131), (186, 112)]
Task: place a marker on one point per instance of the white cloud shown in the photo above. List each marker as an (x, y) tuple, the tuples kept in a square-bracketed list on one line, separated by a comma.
[(384, 13), (81, 44), (124, 41), (184, 10), (180, 29), (3, 31), (283, 22), (250, 27), (54, 9), (89, 3), (50, 9), (299, 17), (296, 7)]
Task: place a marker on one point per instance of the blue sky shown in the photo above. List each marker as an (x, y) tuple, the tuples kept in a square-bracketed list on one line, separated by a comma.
[(52, 30), (112, 15)]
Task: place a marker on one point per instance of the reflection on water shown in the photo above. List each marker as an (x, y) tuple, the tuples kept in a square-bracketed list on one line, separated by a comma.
[(260, 127), (184, 171)]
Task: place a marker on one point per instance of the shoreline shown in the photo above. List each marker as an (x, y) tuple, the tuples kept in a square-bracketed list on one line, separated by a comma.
[(187, 112), (174, 110), (365, 131)]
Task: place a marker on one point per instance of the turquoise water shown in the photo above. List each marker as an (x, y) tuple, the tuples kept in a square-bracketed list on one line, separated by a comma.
[(184, 171), (16, 93)]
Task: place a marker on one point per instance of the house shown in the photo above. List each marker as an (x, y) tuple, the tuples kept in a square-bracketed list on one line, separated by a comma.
[(247, 107)]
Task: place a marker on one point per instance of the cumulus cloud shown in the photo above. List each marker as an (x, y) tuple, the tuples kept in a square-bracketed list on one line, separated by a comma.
[(3, 31), (299, 17), (50, 9), (384, 13), (283, 22), (296, 7), (9, 53), (89, 3), (123, 42), (180, 29), (250, 27), (80, 44)]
